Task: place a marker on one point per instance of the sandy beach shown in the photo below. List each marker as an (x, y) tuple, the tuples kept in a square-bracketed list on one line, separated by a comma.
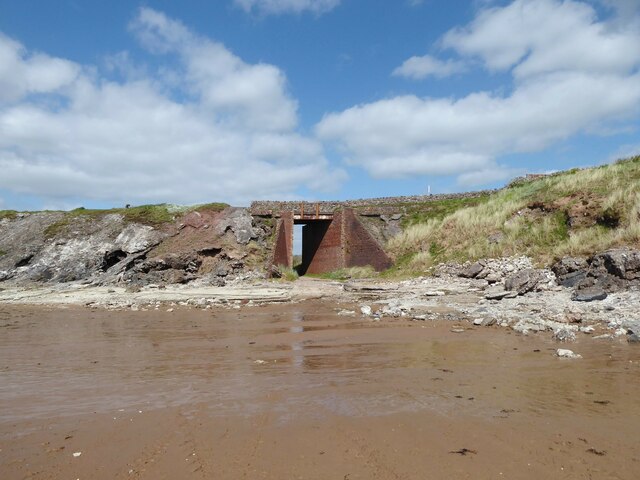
[(302, 390)]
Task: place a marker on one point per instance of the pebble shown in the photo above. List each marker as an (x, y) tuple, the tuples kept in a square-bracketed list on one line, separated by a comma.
[(433, 293), (564, 353)]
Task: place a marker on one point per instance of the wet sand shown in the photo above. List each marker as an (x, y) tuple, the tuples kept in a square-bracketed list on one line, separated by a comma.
[(296, 391)]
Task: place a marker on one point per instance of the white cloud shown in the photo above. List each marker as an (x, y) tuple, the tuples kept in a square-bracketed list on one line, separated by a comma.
[(422, 67), (571, 73), (534, 37), (253, 95), (22, 74), (227, 132), (277, 7)]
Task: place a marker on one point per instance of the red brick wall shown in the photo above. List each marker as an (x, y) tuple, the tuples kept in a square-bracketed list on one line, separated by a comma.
[(329, 254), (360, 248), (283, 249), (312, 235), (329, 245)]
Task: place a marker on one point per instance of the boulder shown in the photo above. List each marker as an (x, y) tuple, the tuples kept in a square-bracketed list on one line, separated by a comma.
[(523, 281), (623, 263), (472, 271), (570, 271), (589, 294), (240, 222), (569, 265), (572, 279)]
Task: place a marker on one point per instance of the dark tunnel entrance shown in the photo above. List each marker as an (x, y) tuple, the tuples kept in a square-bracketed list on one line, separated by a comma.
[(314, 235)]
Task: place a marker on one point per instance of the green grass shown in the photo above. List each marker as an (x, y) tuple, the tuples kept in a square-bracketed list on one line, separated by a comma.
[(438, 209), (501, 224), (347, 273), (208, 207), (10, 214), (288, 274), (153, 215), (2, 253)]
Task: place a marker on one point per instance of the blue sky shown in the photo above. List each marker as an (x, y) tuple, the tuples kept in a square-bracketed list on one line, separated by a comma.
[(106, 103)]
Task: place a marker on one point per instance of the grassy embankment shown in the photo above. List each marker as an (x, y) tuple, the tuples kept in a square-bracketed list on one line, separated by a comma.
[(153, 215), (577, 212)]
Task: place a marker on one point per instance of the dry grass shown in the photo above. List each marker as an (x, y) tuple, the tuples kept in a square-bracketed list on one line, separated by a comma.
[(503, 225)]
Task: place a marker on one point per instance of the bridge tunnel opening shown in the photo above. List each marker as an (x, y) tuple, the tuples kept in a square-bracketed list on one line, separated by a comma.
[(311, 241)]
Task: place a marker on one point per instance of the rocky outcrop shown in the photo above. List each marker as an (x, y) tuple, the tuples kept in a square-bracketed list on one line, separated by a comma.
[(210, 246), (596, 277), (622, 263)]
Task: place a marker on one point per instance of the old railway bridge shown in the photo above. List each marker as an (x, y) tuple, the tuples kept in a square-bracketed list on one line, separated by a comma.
[(340, 234)]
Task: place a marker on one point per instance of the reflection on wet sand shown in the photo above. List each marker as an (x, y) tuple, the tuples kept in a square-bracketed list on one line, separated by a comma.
[(297, 363)]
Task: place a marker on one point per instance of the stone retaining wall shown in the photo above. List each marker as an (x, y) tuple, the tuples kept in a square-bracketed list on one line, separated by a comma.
[(368, 206)]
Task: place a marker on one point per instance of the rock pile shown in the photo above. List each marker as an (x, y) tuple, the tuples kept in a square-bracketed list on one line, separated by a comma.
[(506, 277), (596, 277), (493, 270)]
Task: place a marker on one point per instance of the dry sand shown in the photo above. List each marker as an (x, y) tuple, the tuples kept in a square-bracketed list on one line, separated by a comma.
[(294, 391)]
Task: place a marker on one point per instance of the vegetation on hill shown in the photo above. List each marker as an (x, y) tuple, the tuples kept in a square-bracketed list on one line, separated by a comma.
[(153, 215), (577, 212), (10, 214)]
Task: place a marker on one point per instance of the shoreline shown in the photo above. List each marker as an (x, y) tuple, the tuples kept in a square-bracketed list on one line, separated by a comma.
[(461, 301)]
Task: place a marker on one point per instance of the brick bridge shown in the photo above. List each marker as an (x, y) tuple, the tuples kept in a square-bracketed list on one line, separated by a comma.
[(337, 234)]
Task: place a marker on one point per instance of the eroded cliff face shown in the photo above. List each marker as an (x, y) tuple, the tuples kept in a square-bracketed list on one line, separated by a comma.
[(208, 246)]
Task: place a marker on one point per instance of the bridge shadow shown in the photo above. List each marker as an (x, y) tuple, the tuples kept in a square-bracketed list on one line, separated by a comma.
[(314, 233)]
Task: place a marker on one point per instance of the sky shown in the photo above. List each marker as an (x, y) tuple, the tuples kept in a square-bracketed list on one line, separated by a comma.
[(110, 103)]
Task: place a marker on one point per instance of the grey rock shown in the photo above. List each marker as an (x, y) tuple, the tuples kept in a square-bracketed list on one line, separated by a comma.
[(483, 274), (495, 293), (632, 337), (472, 271), (564, 353), (572, 279), (623, 263), (493, 277), (222, 270), (5, 275), (240, 222), (135, 238), (564, 334), (589, 294), (569, 265), (523, 281)]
